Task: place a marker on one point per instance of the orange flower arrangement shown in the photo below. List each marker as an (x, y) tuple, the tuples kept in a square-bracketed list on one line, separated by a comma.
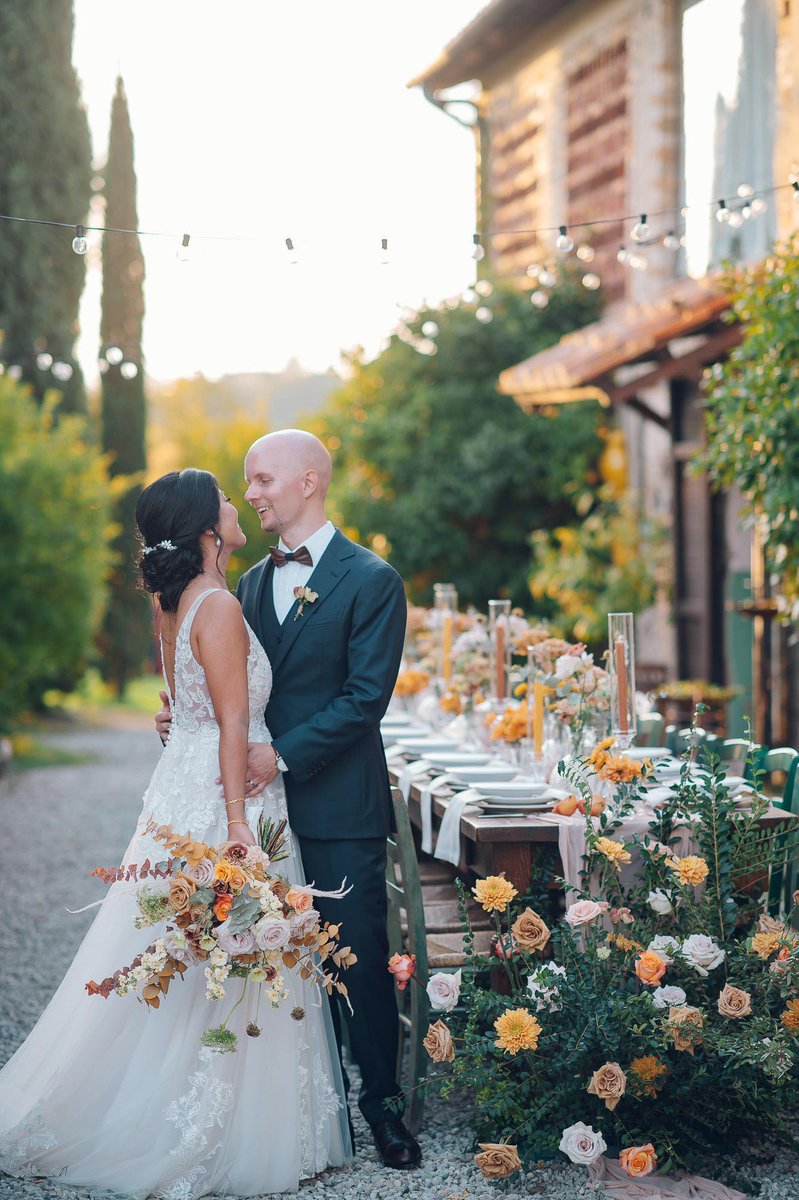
[(518, 1030), (451, 702), (494, 893), (511, 726), (690, 870), (618, 769), (410, 682)]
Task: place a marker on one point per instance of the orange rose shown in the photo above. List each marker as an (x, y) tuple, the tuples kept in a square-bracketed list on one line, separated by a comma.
[(638, 1160), (299, 900), (223, 871), (181, 890), (222, 907), (650, 968)]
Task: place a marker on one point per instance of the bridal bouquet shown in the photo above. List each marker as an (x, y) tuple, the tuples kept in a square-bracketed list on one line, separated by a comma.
[(222, 909)]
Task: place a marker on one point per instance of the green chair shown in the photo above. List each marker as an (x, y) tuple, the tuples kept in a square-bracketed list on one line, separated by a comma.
[(407, 934), (744, 753), (650, 730), (783, 879)]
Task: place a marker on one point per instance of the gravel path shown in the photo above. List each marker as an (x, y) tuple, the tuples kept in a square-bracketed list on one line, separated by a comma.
[(83, 815)]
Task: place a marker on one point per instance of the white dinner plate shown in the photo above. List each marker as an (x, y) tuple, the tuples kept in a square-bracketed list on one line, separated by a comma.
[(458, 758), (426, 745), (398, 719), (491, 774), (497, 789), (639, 753), (517, 805), (392, 736)]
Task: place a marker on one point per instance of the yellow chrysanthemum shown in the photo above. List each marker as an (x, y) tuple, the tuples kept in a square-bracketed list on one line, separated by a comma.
[(790, 1018), (648, 1070), (494, 893), (518, 1030), (765, 944), (615, 852), (623, 943), (689, 870)]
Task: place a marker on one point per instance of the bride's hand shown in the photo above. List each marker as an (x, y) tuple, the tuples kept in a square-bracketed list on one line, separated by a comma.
[(237, 832)]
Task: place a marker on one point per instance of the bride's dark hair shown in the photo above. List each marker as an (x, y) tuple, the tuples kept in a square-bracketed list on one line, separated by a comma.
[(178, 508)]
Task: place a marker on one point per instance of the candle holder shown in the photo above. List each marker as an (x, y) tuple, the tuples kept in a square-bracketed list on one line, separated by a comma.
[(445, 602), (499, 631), (621, 669)]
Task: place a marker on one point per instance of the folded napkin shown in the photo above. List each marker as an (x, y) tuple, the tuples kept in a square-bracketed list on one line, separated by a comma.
[(432, 787), (395, 754), (448, 843), (410, 772)]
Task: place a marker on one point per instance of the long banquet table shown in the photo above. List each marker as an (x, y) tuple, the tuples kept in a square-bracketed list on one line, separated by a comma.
[(491, 844)]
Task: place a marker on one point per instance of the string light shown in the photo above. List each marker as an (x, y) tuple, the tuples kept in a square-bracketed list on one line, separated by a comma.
[(641, 230), (484, 315), (114, 356), (622, 255), (539, 299), (292, 252), (563, 242), (586, 253), (484, 287), (671, 241), (745, 191), (62, 371), (383, 252), (430, 329), (722, 213), (478, 251), (591, 281), (79, 242), (183, 253), (546, 277), (44, 361), (128, 370)]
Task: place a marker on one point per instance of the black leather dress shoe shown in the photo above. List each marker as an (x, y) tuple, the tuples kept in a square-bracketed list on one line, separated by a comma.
[(398, 1148)]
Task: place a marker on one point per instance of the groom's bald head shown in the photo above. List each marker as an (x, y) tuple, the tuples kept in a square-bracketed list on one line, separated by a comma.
[(298, 451), (288, 474)]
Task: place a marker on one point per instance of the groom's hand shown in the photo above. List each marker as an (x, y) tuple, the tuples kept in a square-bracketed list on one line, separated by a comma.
[(261, 767), (163, 718)]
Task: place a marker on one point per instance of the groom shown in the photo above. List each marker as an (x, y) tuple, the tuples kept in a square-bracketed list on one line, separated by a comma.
[(335, 655)]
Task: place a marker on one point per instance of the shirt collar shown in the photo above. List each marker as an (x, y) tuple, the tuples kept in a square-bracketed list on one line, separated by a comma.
[(317, 543)]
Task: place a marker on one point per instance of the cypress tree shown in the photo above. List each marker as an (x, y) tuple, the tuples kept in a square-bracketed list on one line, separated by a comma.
[(126, 629), (46, 174)]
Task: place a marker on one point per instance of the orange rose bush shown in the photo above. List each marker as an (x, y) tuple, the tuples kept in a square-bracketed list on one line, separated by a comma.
[(224, 910), (651, 1015)]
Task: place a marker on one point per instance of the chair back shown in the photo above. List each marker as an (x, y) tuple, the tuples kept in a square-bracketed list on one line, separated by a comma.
[(651, 729), (783, 760), (742, 753), (404, 890)]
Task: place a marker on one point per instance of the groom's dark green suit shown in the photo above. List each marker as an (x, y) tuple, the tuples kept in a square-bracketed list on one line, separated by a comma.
[(334, 669)]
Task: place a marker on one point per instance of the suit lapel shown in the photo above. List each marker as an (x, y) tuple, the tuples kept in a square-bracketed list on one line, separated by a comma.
[(325, 578), (264, 634)]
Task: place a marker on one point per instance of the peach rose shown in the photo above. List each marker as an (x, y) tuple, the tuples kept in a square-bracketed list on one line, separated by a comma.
[(403, 968), (299, 900), (608, 1083), (734, 1003), (582, 912), (650, 968), (685, 1024), (181, 890), (498, 1160), (222, 907), (530, 931), (638, 1160), (438, 1043)]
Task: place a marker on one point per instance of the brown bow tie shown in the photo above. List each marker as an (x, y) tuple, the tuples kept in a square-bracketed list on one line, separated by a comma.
[(301, 555)]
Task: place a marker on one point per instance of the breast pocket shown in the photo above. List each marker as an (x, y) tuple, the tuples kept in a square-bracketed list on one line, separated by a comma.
[(327, 634)]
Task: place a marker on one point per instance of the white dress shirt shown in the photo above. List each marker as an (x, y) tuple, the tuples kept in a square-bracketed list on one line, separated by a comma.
[(293, 574)]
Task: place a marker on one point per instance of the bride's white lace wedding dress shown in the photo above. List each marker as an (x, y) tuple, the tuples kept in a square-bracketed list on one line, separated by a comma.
[(107, 1093)]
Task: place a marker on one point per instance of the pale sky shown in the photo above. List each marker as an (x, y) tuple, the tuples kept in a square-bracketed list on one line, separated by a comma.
[(274, 119)]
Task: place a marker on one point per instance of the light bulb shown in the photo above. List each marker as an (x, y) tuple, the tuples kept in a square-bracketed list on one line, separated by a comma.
[(622, 255), (426, 346), (758, 206), (183, 253), (79, 243), (484, 315), (62, 371), (430, 329), (745, 191), (563, 242), (15, 372), (102, 366), (722, 213), (128, 370), (533, 270), (671, 241), (591, 281), (114, 355), (383, 252), (746, 211), (44, 361), (546, 277), (736, 220), (586, 253), (478, 250), (484, 287), (292, 251), (795, 187), (539, 299), (469, 296), (641, 230), (639, 262)]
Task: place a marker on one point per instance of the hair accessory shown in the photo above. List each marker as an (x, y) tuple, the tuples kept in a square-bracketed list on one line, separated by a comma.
[(166, 545)]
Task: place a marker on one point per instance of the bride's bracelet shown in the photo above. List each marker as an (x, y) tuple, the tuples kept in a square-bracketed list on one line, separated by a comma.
[(244, 823), (238, 800)]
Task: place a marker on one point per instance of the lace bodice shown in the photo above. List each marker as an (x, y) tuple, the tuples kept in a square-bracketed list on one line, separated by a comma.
[(192, 707)]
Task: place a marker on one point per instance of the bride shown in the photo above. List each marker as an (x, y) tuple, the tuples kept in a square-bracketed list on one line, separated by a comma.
[(105, 1093)]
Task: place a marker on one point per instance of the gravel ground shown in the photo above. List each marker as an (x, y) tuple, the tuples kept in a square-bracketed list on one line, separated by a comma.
[(82, 815)]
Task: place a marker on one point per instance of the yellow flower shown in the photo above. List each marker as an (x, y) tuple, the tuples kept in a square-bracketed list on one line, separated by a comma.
[(614, 852), (618, 769), (689, 870), (623, 943), (765, 944), (518, 1030), (790, 1018), (494, 892), (648, 1070), (410, 682)]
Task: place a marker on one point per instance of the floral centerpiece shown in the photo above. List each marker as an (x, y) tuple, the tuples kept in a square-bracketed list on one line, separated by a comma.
[(579, 691), (656, 1021), (223, 910)]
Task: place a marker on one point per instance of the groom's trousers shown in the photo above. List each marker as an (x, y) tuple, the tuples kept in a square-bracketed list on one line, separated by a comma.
[(373, 1026)]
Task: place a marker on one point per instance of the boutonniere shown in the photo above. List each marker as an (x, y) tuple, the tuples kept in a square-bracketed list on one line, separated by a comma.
[(305, 596)]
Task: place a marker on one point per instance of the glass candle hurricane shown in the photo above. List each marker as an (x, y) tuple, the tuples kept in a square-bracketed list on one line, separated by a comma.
[(499, 630), (445, 600), (621, 669)]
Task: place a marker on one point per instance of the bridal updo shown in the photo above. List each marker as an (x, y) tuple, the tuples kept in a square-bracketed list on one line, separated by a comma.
[(172, 515)]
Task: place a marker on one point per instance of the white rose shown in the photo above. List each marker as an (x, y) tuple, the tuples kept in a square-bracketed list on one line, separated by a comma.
[(665, 946), (272, 933), (304, 923), (235, 943), (444, 990), (660, 901), (177, 945), (582, 912), (581, 1144), (668, 997), (566, 666), (702, 953)]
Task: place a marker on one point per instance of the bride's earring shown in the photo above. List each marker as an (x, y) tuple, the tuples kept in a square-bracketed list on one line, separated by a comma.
[(218, 540)]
